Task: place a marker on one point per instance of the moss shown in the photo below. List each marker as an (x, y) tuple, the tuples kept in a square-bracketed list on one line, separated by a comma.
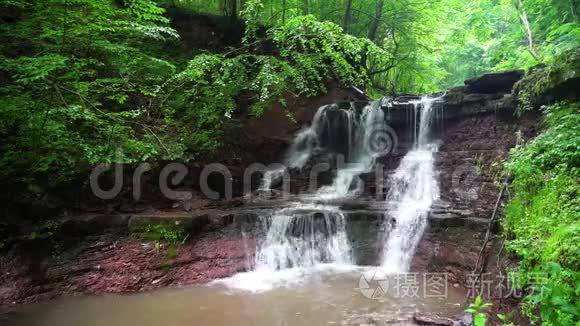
[(539, 84), (168, 234)]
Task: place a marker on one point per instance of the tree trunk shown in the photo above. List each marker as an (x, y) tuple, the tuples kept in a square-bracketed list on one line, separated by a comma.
[(305, 7), (230, 8), (377, 20), (524, 18), (347, 14), (233, 9)]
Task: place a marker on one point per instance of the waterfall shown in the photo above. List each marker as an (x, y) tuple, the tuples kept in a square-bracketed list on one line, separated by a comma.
[(344, 132), (303, 237), (307, 141), (307, 236), (305, 144), (362, 153), (413, 190), (269, 177), (298, 240)]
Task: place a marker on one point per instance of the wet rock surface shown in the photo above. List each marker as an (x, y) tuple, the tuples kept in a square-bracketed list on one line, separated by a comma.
[(115, 262)]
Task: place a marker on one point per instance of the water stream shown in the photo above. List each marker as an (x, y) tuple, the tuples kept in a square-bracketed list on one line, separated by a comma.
[(413, 189), (321, 298), (307, 236)]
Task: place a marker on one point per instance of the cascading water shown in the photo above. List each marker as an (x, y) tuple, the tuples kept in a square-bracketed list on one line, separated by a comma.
[(269, 177), (304, 145), (309, 236), (340, 131), (304, 238), (413, 190), (307, 140), (362, 154), (298, 240), (316, 243)]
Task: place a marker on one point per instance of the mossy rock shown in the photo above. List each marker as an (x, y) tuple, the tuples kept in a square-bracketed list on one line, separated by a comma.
[(546, 84)]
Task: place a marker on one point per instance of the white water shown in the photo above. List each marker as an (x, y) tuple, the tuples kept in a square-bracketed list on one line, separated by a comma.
[(298, 241), (307, 140), (269, 177), (303, 147), (414, 189), (361, 154), (302, 240), (358, 157), (309, 238)]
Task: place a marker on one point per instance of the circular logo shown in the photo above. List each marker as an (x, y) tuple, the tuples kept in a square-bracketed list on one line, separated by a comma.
[(373, 284), (465, 181), (381, 139)]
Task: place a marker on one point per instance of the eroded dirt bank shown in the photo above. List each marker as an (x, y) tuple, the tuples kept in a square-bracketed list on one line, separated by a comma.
[(116, 262)]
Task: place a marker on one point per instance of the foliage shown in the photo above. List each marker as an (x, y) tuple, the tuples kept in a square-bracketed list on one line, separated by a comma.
[(477, 310), (541, 221), (489, 35), (163, 236), (539, 82), (44, 230), (168, 234), (309, 53), (77, 89), (506, 319), (433, 45), (91, 85), (533, 89)]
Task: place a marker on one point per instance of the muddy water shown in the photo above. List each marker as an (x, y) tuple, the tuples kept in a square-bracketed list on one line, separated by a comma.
[(315, 298)]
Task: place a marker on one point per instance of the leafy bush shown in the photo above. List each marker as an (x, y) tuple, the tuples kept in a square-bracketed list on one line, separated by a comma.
[(541, 223), (91, 86), (203, 97), (77, 85), (477, 309)]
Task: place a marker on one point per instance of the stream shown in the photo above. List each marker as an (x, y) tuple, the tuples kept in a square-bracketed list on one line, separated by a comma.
[(325, 296)]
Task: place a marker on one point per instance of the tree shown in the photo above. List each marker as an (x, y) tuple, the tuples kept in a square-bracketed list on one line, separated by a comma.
[(305, 7), (376, 21), (347, 16), (526, 24)]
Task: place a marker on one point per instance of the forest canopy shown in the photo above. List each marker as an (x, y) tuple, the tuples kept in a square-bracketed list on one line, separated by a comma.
[(435, 44), (91, 81)]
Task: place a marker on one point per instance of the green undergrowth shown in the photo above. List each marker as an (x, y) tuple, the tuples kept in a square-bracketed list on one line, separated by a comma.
[(542, 223)]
